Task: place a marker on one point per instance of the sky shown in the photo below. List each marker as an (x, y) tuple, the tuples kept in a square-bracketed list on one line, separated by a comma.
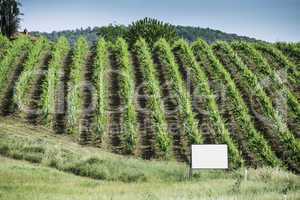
[(270, 20)]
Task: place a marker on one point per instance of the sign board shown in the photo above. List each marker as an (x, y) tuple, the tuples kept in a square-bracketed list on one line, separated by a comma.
[(209, 156)]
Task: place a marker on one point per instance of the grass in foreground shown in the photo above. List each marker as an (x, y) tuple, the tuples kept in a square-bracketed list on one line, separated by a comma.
[(39, 145), (32, 182), (118, 177)]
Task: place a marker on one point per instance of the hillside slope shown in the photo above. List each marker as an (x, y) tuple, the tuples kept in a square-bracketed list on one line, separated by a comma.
[(37, 144), (155, 103)]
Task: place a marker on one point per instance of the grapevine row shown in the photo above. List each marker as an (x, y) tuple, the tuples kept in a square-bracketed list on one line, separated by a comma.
[(280, 62), (198, 76), (129, 118), (290, 153), (32, 65), (291, 50), (75, 99), (166, 59), (264, 73), (154, 103), (101, 67), (16, 49), (51, 86), (255, 142), (9, 64)]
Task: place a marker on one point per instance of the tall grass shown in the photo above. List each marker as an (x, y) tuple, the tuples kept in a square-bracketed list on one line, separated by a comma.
[(41, 147), (166, 59), (154, 103), (129, 116), (13, 52), (255, 142), (31, 67), (290, 153), (101, 68), (75, 98), (200, 80), (263, 71), (52, 83)]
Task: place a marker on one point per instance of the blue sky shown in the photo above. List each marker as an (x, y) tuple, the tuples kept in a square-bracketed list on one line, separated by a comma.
[(271, 20)]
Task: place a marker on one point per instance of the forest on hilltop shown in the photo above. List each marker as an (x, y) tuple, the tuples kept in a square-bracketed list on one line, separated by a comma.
[(189, 33)]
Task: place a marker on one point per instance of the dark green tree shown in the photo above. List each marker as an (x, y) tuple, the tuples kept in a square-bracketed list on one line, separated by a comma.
[(9, 16), (151, 30), (112, 32)]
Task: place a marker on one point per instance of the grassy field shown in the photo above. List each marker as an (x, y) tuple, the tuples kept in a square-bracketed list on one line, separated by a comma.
[(53, 161), (20, 179)]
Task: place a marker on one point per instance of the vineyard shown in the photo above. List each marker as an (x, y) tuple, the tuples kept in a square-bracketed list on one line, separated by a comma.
[(154, 101)]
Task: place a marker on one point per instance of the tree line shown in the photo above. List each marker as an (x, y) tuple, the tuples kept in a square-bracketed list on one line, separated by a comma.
[(148, 28), (112, 31)]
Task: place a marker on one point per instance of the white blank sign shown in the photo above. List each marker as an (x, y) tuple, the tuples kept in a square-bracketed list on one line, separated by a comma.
[(209, 156)]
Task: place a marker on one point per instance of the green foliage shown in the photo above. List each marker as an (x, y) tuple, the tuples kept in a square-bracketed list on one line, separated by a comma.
[(191, 34), (154, 103), (31, 67), (291, 50), (58, 159), (255, 142), (151, 30), (187, 117), (4, 45), (65, 155), (13, 52), (75, 99), (9, 16), (293, 75), (199, 78), (52, 84), (264, 72), (101, 69), (291, 148), (263, 184), (112, 32), (129, 118)]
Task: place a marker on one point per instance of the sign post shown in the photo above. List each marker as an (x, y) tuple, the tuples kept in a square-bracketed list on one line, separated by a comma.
[(208, 156)]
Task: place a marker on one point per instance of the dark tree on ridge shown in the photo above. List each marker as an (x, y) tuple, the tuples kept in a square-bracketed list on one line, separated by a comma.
[(9, 17), (151, 30)]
